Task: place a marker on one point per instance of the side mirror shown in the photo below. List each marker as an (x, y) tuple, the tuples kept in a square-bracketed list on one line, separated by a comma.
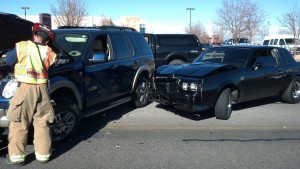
[(98, 57)]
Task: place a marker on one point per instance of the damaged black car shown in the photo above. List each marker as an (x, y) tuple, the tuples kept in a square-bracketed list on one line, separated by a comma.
[(225, 75)]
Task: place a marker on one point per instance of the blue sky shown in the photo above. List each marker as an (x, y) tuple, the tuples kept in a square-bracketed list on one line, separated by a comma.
[(158, 15)]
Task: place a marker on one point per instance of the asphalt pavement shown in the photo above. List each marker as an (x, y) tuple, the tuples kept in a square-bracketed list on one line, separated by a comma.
[(262, 134)]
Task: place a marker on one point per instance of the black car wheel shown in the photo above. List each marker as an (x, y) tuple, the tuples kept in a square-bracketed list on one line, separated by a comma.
[(141, 93), (292, 93), (66, 119), (223, 107)]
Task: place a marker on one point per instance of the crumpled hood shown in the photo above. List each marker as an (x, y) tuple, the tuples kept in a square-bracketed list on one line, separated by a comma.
[(13, 29), (193, 69)]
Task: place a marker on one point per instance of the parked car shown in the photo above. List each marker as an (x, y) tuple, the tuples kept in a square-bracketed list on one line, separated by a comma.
[(226, 75), (174, 49), (206, 46), (238, 41), (96, 69), (287, 41)]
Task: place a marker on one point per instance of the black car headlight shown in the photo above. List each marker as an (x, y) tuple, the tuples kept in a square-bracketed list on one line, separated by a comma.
[(189, 86)]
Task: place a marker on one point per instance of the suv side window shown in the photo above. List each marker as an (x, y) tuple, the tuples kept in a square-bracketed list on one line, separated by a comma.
[(140, 44), (275, 41), (125, 49), (266, 42), (102, 44), (281, 42)]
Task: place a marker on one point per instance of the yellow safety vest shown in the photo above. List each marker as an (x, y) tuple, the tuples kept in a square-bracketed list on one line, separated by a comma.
[(33, 63)]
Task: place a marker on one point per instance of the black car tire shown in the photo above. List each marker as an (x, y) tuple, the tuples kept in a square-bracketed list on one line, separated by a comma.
[(176, 62), (141, 93), (66, 121), (292, 93), (223, 107)]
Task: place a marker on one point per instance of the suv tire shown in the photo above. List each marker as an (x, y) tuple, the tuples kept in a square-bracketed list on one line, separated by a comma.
[(66, 120), (141, 93)]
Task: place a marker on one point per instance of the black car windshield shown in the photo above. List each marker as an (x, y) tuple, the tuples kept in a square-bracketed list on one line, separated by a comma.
[(74, 44), (231, 56)]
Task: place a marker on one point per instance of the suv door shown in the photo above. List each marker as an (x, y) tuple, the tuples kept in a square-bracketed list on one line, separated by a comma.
[(125, 64), (101, 84)]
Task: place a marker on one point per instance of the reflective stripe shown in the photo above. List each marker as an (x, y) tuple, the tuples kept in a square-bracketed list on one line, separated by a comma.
[(41, 157), (31, 73), (17, 158), (34, 61)]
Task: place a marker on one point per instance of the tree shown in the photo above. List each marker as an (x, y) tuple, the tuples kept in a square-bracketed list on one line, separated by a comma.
[(291, 21), (240, 18), (106, 21), (199, 30), (219, 33), (69, 12)]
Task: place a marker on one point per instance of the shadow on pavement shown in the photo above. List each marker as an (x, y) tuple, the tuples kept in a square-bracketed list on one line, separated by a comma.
[(197, 116), (88, 127), (207, 114)]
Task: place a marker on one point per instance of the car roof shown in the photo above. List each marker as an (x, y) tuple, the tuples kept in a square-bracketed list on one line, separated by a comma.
[(247, 46)]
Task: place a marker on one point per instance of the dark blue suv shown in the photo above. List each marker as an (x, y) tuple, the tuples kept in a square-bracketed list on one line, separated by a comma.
[(98, 68)]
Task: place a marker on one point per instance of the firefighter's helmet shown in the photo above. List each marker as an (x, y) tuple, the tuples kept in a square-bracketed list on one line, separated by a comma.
[(43, 31)]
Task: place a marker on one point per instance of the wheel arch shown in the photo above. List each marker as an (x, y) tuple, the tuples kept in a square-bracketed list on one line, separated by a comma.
[(173, 56), (234, 91), (143, 71), (65, 88)]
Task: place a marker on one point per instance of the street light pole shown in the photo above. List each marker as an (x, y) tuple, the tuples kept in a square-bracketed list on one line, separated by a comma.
[(25, 8), (190, 9)]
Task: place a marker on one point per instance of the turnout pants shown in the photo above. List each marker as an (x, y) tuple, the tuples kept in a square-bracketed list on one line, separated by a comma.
[(30, 104)]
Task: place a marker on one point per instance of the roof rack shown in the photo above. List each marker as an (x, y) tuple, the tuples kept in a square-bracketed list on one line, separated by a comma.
[(99, 27)]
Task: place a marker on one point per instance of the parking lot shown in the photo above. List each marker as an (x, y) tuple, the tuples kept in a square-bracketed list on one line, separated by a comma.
[(260, 134)]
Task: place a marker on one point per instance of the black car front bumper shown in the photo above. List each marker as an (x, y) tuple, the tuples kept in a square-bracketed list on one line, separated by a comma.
[(185, 101)]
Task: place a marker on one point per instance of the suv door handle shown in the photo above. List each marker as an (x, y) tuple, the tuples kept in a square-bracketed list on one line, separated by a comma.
[(194, 51)]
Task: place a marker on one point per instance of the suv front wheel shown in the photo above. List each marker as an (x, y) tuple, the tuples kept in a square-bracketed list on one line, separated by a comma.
[(66, 119)]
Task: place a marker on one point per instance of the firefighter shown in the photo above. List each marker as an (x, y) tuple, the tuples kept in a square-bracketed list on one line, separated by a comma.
[(31, 103)]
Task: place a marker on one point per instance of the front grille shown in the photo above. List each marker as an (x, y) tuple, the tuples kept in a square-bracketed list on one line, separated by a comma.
[(166, 84)]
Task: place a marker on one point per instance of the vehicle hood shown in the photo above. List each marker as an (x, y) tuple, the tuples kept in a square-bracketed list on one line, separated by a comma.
[(193, 69), (13, 29)]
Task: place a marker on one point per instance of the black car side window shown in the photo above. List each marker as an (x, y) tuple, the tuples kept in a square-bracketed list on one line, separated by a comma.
[(268, 61), (265, 58)]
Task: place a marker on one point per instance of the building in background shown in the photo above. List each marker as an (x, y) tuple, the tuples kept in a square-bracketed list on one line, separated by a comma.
[(126, 21), (130, 21)]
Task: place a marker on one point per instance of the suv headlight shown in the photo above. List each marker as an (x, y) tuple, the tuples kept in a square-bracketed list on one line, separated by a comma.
[(189, 86), (10, 88)]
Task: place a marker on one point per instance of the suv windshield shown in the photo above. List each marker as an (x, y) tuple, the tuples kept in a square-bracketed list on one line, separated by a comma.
[(74, 44)]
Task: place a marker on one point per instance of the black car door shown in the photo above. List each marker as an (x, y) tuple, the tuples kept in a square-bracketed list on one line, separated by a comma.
[(263, 77)]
